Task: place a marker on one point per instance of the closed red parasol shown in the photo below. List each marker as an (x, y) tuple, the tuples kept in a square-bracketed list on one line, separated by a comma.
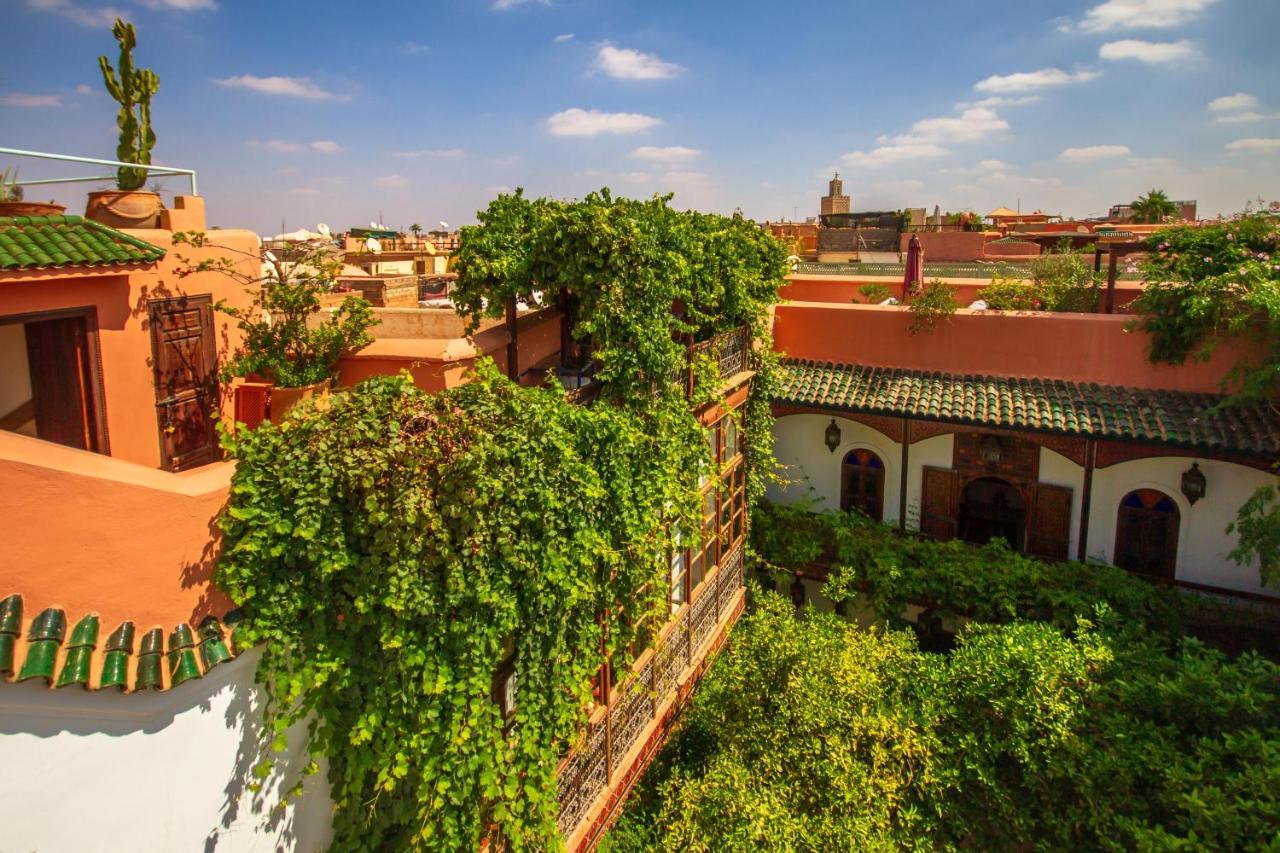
[(913, 278)]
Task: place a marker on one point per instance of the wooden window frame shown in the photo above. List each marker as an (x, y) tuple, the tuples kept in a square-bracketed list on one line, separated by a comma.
[(97, 397), (1174, 535), (849, 471)]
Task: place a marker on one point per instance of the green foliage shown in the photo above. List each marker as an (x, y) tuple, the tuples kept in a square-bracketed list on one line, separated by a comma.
[(283, 339), (10, 189), (1155, 206), (389, 548), (1258, 525), (991, 583), (1059, 283), (935, 301), (641, 280), (1206, 284), (132, 89), (875, 293), (813, 734)]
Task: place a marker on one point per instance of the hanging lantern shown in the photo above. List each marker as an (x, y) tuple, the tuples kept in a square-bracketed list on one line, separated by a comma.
[(992, 452), (833, 436), (1194, 483)]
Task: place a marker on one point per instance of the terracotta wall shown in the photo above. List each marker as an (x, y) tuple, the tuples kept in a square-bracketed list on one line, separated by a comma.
[(89, 533), (1077, 347), (843, 290), (947, 245), (120, 298)]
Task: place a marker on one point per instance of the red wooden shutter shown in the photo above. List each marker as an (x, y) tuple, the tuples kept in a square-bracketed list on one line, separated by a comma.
[(939, 502), (1049, 522)]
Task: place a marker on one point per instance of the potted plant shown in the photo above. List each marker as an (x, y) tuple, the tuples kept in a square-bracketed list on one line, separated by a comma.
[(129, 206), (286, 337), (12, 203)]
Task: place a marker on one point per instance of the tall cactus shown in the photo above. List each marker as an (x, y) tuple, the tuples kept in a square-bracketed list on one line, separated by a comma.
[(132, 89)]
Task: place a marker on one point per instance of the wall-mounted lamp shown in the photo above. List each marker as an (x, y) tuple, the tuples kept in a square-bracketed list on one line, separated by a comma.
[(1194, 483), (833, 436), (992, 452)]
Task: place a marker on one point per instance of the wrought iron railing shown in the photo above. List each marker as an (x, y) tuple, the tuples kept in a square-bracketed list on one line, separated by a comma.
[(614, 730), (731, 351)]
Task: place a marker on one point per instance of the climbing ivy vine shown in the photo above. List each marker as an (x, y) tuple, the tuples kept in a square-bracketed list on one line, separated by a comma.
[(392, 549)]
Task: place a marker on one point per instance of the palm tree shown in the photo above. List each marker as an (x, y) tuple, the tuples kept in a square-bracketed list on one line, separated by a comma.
[(416, 229), (1155, 206)]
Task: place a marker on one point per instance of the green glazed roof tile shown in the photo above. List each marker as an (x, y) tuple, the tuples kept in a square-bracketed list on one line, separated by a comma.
[(40, 242), (42, 655), (1044, 405), (191, 651)]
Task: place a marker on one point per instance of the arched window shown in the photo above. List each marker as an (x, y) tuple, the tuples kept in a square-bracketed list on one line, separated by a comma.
[(862, 483), (1147, 533)]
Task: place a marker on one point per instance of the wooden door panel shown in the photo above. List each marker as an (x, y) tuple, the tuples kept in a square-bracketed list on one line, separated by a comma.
[(1049, 522), (939, 502), (61, 396), (185, 360)]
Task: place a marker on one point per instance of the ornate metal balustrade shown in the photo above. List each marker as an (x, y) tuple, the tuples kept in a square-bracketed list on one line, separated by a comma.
[(615, 730), (731, 351)]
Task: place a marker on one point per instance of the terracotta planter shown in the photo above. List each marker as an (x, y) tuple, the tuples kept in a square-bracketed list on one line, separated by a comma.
[(284, 399), (125, 208), (31, 208)]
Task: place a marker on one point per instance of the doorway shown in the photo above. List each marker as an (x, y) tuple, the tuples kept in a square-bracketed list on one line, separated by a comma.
[(49, 378), (992, 508), (186, 374)]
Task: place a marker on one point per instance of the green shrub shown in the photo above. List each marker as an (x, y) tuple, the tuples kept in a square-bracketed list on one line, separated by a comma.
[(1009, 294), (936, 301), (875, 293)]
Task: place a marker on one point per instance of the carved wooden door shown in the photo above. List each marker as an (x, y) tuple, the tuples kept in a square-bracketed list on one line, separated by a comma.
[(939, 502), (1049, 522), (186, 373)]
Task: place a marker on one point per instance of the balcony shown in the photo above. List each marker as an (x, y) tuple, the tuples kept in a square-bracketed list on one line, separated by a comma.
[(623, 734)]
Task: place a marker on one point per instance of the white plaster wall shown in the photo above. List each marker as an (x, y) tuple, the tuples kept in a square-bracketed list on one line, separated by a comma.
[(1058, 470), (935, 452), (157, 772), (799, 443), (1203, 543), (15, 373)]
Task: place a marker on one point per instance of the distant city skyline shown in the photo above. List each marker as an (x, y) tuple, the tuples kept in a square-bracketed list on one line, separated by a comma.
[(299, 114)]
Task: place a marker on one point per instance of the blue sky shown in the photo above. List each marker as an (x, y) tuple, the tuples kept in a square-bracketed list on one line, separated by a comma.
[(421, 111)]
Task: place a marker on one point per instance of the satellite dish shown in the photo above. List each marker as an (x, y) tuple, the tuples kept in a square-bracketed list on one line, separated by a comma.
[(324, 230), (373, 224), (373, 245), (444, 225)]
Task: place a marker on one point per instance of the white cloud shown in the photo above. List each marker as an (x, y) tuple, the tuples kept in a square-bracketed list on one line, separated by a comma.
[(1093, 153), (903, 187), (623, 63), (1231, 103), (293, 87), (433, 153), (180, 5), (103, 17), (669, 154), (83, 89), (972, 124), (1026, 81), (1245, 118), (509, 160), (1255, 144), (888, 154), (678, 176), (503, 5), (562, 38), (1150, 52), (999, 101), (1142, 14), (413, 48), (391, 182), (580, 122), (22, 99), (284, 146), (993, 165)]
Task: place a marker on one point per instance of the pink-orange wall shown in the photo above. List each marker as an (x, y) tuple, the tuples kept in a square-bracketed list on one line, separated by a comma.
[(120, 299), (1077, 347), (947, 245), (844, 289), (93, 534)]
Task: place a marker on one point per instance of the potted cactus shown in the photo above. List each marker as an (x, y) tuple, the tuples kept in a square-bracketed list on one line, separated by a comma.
[(129, 206), (12, 202)]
